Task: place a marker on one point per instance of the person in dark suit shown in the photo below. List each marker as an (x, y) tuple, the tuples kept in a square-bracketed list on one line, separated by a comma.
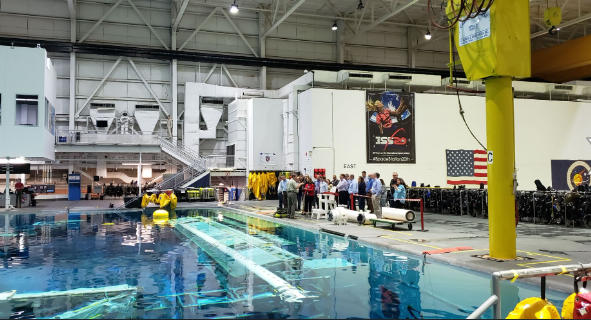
[(361, 192)]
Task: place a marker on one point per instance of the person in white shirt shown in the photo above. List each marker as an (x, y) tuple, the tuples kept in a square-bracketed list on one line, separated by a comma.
[(376, 191), (352, 190), (342, 189), (282, 192), (323, 188)]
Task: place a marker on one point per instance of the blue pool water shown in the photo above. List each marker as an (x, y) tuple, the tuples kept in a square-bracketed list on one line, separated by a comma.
[(176, 267)]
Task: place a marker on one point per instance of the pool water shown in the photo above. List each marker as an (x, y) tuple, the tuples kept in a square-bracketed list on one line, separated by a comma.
[(219, 264)]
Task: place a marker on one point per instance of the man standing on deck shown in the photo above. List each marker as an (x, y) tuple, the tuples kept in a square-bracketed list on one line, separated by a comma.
[(292, 191), (19, 186), (376, 190), (352, 190), (282, 192)]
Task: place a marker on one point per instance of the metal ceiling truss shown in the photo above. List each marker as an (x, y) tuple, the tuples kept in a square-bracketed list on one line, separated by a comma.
[(108, 74), (382, 19), (285, 16), (168, 55), (147, 24)]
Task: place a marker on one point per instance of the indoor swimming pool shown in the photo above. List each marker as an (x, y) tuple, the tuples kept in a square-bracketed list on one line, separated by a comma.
[(217, 264)]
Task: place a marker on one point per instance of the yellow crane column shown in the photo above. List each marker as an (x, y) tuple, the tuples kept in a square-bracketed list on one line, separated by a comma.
[(495, 46), (500, 140)]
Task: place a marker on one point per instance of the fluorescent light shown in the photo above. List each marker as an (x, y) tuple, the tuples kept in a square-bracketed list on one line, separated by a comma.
[(136, 164), (234, 8), (334, 26), (428, 35)]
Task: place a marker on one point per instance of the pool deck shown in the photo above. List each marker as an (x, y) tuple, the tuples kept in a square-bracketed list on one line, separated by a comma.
[(541, 245)]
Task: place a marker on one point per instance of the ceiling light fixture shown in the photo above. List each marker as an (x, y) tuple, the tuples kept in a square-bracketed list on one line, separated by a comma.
[(428, 35), (234, 8), (360, 6), (334, 26)]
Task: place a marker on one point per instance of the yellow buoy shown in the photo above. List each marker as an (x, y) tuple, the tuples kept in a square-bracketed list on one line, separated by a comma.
[(160, 216), (534, 308)]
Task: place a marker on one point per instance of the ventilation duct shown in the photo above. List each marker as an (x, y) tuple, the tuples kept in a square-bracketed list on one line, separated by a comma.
[(102, 115), (147, 117), (253, 94), (358, 77), (219, 102), (211, 115), (567, 89), (396, 78)]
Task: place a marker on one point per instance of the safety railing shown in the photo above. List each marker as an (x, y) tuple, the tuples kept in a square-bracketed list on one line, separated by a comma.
[(225, 162), (95, 137), (180, 151), (495, 300), (195, 165)]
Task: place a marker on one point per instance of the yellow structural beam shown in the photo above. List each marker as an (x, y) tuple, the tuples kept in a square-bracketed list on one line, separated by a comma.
[(564, 62), (500, 135)]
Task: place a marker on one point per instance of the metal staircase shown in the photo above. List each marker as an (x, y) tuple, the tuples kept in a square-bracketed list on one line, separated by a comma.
[(195, 165)]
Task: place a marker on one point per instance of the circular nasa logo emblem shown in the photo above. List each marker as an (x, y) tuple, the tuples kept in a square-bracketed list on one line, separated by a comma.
[(577, 174)]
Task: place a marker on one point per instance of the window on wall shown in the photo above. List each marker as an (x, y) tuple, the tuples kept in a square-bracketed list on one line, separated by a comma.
[(49, 117), (27, 110)]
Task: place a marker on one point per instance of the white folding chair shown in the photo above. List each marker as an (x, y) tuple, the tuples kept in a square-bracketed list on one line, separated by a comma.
[(320, 213), (331, 203)]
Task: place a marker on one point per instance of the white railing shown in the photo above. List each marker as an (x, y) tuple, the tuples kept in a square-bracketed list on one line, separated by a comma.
[(94, 137), (196, 165), (225, 162)]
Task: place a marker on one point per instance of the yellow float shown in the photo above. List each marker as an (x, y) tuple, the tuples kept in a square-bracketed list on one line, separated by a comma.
[(534, 308), (160, 217)]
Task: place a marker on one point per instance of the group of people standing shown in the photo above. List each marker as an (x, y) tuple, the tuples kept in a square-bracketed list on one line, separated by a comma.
[(292, 191)]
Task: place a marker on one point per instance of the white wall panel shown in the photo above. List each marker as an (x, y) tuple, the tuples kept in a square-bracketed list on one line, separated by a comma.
[(62, 107), (115, 90), (15, 6), (63, 87)]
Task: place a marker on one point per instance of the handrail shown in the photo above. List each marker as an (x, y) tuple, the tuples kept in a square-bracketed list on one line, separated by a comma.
[(577, 269), (487, 304), (195, 162)]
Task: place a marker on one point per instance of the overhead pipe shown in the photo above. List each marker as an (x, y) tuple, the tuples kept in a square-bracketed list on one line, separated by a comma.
[(169, 55)]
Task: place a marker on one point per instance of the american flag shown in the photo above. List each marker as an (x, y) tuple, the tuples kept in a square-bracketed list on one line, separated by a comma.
[(466, 167)]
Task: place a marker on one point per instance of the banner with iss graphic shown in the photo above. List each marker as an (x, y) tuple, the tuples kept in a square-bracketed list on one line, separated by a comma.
[(390, 127)]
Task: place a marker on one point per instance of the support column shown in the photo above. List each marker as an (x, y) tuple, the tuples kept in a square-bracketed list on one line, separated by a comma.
[(411, 52), (139, 175), (175, 87), (341, 41), (72, 117), (263, 50), (500, 135), (7, 190)]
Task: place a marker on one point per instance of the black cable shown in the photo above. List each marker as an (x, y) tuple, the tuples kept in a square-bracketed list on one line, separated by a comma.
[(458, 91)]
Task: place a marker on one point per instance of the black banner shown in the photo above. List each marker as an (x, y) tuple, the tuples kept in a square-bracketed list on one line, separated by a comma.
[(569, 174), (390, 127), (16, 168)]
